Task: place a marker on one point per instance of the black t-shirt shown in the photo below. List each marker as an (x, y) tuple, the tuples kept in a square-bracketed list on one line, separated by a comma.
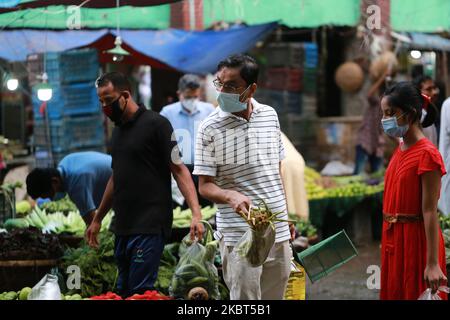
[(141, 158)]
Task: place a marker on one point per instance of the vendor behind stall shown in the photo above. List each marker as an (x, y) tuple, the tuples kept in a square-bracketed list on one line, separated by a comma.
[(82, 175)]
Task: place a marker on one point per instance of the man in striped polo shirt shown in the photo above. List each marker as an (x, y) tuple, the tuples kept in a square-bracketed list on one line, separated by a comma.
[(238, 154)]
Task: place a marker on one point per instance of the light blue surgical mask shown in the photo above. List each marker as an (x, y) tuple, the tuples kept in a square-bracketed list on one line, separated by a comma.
[(58, 196), (229, 102), (391, 127)]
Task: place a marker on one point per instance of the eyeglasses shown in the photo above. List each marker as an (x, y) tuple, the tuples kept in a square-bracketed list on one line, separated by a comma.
[(220, 86)]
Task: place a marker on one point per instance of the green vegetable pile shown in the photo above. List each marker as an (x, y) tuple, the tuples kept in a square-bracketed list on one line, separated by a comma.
[(71, 223), (318, 187), (64, 205), (12, 295), (23, 208), (167, 268), (98, 269), (305, 227), (445, 226), (182, 218)]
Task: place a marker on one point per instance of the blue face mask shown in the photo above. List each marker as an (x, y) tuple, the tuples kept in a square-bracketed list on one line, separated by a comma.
[(391, 127), (58, 196), (229, 102)]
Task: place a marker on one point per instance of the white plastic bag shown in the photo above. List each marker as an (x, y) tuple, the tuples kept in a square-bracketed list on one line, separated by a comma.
[(255, 246), (427, 295), (336, 168), (46, 289)]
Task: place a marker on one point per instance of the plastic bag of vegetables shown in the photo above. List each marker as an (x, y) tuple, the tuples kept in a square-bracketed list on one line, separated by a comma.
[(195, 276), (256, 243)]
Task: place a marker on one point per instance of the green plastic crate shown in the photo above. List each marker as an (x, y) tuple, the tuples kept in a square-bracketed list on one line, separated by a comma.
[(328, 255)]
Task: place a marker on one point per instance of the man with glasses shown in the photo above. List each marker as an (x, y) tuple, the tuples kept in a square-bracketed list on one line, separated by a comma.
[(143, 158), (238, 155), (185, 117)]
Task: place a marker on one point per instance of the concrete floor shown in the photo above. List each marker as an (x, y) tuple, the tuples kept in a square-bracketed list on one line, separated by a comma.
[(349, 282)]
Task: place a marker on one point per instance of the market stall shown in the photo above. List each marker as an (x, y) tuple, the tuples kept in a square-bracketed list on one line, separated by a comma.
[(342, 196)]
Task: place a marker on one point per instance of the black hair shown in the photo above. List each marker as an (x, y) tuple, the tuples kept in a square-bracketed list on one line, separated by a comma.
[(419, 80), (39, 181), (117, 79), (408, 98), (248, 67), (189, 81)]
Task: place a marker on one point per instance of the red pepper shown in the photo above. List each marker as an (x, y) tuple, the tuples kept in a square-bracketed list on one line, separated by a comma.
[(107, 296), (149, 295)]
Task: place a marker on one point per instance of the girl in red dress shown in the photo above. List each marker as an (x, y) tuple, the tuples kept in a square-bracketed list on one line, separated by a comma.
[(413, 252)]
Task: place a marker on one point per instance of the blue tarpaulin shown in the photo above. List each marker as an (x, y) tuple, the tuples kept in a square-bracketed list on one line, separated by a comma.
[(423, 41), (429, 41), (187, 51)]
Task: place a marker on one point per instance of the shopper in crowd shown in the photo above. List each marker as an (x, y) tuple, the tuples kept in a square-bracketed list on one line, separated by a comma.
[(370, 139), (185, 117), (427, 86), (413, 252), (239, 150), (139, 190), (82, 176), (444, 148)]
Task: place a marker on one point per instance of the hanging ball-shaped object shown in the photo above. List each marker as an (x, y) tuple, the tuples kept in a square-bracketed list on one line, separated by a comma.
[(349, 77), (379, 66)]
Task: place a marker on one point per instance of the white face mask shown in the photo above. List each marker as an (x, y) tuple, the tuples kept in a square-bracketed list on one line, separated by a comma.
[(190, 104)]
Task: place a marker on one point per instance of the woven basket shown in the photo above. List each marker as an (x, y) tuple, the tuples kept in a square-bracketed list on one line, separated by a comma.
[(349, 77), (380, 65)]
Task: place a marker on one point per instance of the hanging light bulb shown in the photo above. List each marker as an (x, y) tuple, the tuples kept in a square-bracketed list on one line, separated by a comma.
[(44, 90), (12, 84), (118, 53), (416, 54)]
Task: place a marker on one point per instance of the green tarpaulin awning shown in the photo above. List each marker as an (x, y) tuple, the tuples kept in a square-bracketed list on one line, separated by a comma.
[(12, 5), (292, 13), (62, 17), (420, 16)]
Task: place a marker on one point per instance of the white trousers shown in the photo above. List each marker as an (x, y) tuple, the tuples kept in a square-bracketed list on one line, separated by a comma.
[(266, 282)]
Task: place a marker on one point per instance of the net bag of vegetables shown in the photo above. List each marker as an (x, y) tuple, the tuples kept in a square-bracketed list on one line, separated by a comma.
[(254, 246), (196, 277)]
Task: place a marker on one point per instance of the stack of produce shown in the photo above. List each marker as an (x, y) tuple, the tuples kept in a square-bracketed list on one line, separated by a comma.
[(64, 205), (97, 266), (149, 295), (318, 187), (445, 226), (106, 296), (183, 218), (306, 229), (23, 208), (12, 295), (167, 267), (57, 222), (29, 244)]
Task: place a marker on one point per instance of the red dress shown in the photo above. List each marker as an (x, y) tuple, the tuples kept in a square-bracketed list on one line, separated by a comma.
[(403, 245)]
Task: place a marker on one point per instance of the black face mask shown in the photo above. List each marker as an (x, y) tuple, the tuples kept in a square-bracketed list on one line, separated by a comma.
[(114, 112)]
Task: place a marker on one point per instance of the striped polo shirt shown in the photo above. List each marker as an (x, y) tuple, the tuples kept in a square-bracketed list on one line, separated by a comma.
[(243, 156)]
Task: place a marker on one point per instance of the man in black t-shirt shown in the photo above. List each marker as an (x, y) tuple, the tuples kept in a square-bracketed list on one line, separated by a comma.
[(144, 154)]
